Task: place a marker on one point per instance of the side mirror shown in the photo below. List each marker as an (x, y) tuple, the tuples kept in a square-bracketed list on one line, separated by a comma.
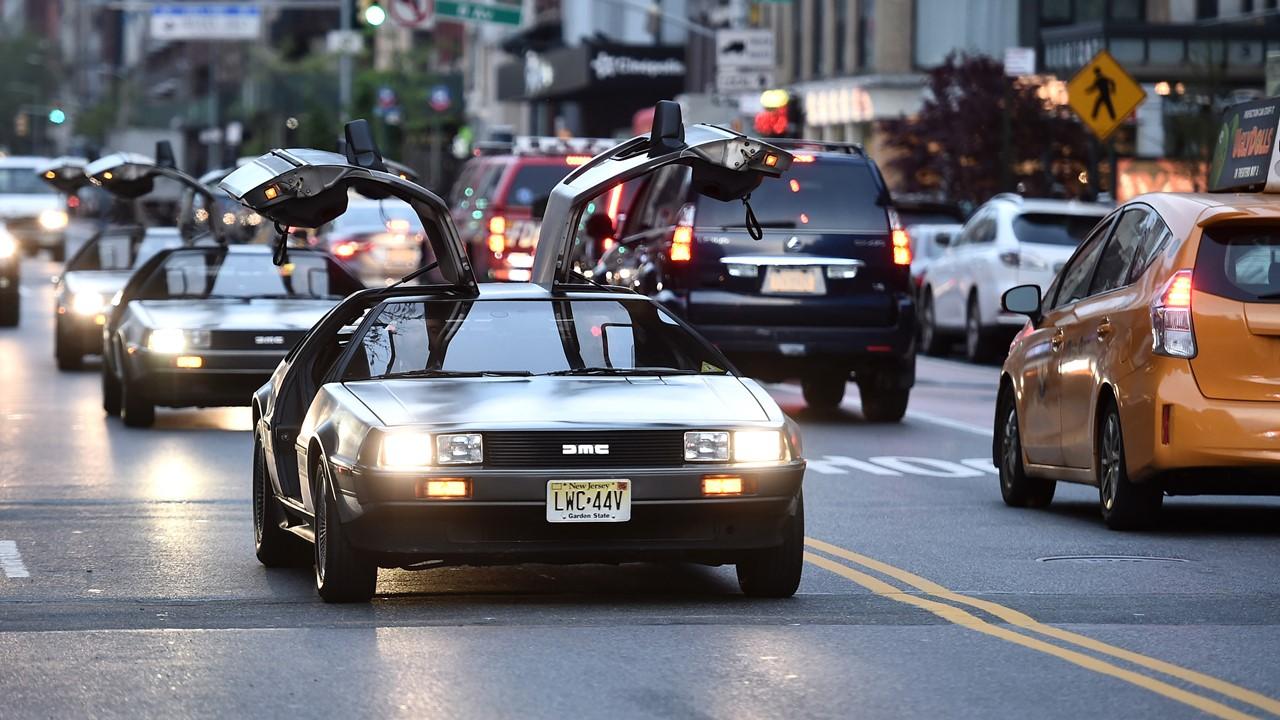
[(1023, 300), (361, 150), (667, 134), (164, 155)]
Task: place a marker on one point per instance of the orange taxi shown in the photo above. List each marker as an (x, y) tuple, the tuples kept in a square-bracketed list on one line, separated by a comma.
[(1151, 365)]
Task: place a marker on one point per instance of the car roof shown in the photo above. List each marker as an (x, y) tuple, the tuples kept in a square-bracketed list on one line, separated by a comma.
[(1183, 211), (532, 291), (1051, 205), (23, 161)]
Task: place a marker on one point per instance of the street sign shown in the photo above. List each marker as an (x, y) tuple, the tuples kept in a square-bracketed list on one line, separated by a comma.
[(743, 81), (344, 42), (478, 12), (416, 14), (206, 21), (1244, 159), (1103, 94), (1019, 61), (744, 49)]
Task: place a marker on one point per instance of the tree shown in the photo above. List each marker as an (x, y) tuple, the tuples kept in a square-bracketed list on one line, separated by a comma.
[(953, 145)]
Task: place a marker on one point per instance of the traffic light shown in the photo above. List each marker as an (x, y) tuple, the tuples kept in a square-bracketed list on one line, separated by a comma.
[(57, 116), (371, 13)]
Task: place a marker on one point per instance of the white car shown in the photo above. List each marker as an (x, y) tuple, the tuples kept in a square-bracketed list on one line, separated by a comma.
[(34, 212), (928, 243), (1008, 241)]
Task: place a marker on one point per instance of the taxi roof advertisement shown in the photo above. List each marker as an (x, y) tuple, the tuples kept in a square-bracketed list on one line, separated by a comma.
[(1244, 157)]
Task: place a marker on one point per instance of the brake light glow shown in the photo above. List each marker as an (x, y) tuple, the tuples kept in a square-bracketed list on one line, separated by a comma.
[(346, 249), (1172, 333), (901, 247), (497, 233), (802, 158), (576, 160), (682, 237)]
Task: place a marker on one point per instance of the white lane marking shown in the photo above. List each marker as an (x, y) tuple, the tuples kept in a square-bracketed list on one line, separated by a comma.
[(929, 467), (840, 465), (983, 464), (899, 465), (949, 423), (11, 560)]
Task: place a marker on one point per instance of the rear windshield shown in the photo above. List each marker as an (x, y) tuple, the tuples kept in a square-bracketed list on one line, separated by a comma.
[(1053, 229), (442, 337), (1240, 264), (120, 251), (387, 216), (216, 273), (818, 195), (23, 181), (534, 182)]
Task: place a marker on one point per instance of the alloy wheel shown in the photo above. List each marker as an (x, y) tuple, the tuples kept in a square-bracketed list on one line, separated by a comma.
[(322, 522), (1109, 460), (259, 507), (1010, 453)]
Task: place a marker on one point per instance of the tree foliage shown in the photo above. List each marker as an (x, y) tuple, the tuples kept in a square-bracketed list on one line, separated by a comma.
[(954, 144)]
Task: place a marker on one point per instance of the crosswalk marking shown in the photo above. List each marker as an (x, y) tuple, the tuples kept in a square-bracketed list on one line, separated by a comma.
[(11, 560), (900, 465)]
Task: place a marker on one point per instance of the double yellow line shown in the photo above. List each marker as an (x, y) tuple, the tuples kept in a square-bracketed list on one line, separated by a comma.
[(944, 603)]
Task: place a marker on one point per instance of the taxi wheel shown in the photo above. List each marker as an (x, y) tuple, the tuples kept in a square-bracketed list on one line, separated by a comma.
[(274, 546), (775, 572), (1016, 487), (824, 391), (136, 409), (1125, 505), (342, 575), (930, 342), (110, 391), (68, 356)]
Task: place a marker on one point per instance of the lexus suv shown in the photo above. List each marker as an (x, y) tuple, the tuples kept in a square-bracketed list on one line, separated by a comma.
[(823, 294)]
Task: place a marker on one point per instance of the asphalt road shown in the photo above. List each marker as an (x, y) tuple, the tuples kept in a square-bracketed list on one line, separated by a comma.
[(128, 588)]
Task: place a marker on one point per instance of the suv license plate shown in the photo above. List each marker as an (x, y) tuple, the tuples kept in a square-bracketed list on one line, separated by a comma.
[(577, 501), (794, 281)]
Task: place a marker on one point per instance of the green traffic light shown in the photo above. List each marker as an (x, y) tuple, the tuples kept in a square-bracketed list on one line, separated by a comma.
[(57, 116), (374, 15)]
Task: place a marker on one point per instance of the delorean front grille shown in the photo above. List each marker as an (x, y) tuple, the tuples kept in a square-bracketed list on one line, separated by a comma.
[(550, 449)]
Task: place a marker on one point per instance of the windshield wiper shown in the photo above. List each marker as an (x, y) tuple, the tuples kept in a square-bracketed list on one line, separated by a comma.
[(453, 374), (622, 371)]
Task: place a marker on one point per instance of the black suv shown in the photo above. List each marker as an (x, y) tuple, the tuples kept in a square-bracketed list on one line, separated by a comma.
[(824, 293)]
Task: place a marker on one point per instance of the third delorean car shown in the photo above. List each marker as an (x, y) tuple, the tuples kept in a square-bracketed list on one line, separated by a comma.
[(451, 422)]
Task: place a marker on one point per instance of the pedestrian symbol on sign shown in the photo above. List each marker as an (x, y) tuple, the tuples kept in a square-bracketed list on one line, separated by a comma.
[(1104, 95), (1104, 87)]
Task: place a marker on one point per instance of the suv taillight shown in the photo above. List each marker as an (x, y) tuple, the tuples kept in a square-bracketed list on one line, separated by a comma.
[(497, 234), (682, 237), (1171, 331), (901, 241)]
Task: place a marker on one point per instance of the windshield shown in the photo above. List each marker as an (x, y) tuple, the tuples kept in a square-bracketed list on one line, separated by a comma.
[(390, 215), (534, 182), (1053, 229), (522, 337), (23, 181), (819, 195), (122, 250), (214, 272)]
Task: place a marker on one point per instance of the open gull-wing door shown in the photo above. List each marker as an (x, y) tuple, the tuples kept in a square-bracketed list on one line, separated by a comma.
[(726, 166), (131, 175), (308, 188), (65, 174)]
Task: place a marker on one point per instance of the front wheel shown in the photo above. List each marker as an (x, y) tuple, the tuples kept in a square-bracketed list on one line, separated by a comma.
[(110, 391), (274, 546), (1125, 505), (1016, 487), (136, 409), (824, 391), (65, 351), (775, 572), (342, 574)]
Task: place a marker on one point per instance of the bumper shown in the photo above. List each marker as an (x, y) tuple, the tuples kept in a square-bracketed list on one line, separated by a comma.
[(226, 378), (779, 353), (1214, 446), (505, 520)]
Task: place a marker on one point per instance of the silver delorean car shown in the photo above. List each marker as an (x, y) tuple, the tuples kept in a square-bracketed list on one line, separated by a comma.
[(451, 422)]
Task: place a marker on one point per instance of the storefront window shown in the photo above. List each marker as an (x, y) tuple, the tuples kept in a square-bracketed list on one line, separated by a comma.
[(866, 34)]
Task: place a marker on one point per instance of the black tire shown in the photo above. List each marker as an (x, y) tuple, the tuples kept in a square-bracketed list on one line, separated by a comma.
[(930, 340), (110, 391), (882, 404), (775, 572), (823, 391), (1016, 487), (10, 307), (65, 350), (978, 345), (274, 546), (1125, 505), (342, 575), (58, 252), (137, 410)]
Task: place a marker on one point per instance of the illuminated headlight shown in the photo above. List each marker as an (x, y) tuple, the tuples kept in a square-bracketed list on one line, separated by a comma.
[(174, 340), (52, 219), (706, 446), (405, 450), (8, 246), (87, 303), (459, 448), (757, 445)]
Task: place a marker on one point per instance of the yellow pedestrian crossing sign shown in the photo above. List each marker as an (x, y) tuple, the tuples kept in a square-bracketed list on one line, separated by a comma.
[(1103, 94)]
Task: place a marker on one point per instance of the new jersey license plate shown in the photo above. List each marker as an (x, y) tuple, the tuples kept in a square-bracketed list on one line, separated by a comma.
[(795, 281), (570, 501)]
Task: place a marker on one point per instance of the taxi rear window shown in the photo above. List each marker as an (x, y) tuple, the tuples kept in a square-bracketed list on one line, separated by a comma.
[(1240, 263)]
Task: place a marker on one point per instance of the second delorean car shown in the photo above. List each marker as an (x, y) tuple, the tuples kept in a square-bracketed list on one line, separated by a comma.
[(452, 422)]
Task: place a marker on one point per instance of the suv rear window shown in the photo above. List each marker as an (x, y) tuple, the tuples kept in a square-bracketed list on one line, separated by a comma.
[(818, 195), (1240, 263), (1053, 229), (533, 182)]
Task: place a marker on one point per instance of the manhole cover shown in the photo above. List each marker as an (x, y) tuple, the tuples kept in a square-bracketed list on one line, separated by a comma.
[(1111, 559)]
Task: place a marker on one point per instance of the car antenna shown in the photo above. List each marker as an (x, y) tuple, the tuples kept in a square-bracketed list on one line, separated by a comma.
[(415, 274)]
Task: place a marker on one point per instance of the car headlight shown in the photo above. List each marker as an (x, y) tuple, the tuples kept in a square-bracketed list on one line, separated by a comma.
[(757, 445), (405, 450), (706, 446), (52, 219), (8, 246), (175, 340), (87, 303), (460, 448)]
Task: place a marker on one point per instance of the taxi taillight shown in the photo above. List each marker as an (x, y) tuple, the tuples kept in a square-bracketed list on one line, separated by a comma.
[(1172, 334), (497, 233)]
